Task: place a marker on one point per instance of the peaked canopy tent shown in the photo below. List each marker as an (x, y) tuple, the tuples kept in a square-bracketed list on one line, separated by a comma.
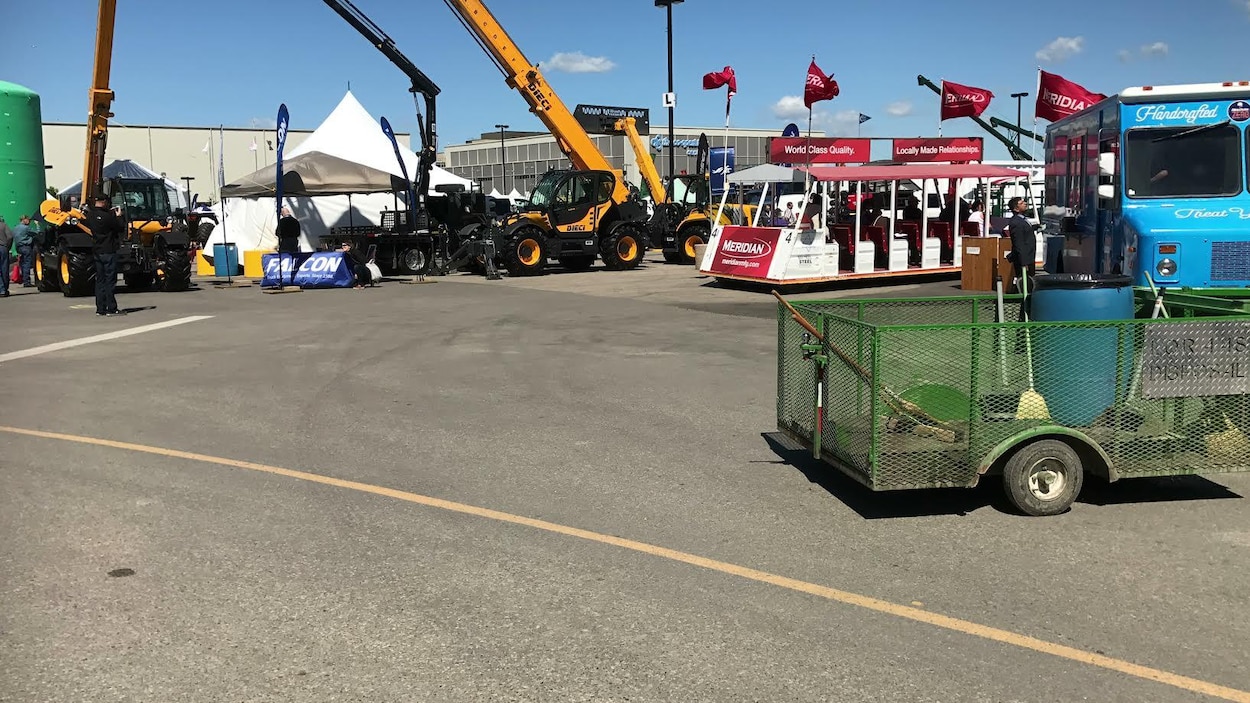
[(126, 168), (766, 173), (349, 135)]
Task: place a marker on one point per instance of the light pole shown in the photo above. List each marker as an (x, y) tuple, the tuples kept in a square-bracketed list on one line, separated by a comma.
[(1017, 96), (503, 158), (670, 99), (187, 180)]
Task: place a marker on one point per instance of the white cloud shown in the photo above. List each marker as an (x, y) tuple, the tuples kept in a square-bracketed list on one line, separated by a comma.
[(263, 123), (1061, 48), (841, 123), (1156, 49), (790, 107), (577, 62), (1125, 55), (901, 108)]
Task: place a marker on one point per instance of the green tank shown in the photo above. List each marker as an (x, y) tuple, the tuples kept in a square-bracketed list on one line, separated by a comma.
[(22, 182)]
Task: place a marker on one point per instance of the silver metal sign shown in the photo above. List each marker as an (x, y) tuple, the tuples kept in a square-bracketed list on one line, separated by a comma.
[(1189, 359)]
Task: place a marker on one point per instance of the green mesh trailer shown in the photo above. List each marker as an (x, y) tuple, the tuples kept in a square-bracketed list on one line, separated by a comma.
[(934, 392)]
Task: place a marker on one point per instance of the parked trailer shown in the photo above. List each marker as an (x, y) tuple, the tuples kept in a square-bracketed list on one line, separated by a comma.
[(856, 248), (931, 393)]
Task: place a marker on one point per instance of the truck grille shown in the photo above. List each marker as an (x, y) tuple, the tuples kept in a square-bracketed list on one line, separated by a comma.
[(1230, 261)]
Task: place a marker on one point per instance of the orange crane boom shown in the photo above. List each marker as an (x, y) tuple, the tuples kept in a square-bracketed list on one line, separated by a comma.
[(99, 109)]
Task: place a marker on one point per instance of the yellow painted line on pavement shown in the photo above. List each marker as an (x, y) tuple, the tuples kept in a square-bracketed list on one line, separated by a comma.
[(902, 611)]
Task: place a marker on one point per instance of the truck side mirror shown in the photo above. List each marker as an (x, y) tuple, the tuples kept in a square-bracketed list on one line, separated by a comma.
[(1106, 165), (1106, 192)]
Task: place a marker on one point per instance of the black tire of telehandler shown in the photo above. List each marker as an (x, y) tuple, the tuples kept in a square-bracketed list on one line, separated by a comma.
[(526, 254), (77, 273), (175, 274), (622, 249), (47, 275), (688, 238)]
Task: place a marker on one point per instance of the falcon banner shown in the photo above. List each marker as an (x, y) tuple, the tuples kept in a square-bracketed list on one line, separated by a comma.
[(1058, 97), (963, 100)]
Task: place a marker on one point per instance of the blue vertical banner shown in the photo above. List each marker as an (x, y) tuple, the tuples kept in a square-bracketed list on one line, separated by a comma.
[(403, 168), (722, 164), (284, 118)]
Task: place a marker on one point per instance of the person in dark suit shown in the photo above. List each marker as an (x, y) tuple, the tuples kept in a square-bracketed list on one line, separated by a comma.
[(1023, 244), (106, 236), (288, 232), (356, 259)]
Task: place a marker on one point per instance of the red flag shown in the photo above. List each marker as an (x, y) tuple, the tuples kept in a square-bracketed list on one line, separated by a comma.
[(1058, 97), (819, 86), (963, 100), (716, 79)]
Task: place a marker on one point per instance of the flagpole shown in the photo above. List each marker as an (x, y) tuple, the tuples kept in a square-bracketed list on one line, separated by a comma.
[(1038, 92), (221, 184), (941, 103), (807, 178)]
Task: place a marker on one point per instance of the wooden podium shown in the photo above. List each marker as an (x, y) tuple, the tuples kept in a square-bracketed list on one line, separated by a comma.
[(980, 256)]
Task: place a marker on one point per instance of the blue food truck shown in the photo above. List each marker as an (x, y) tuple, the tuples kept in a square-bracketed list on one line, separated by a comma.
[(1153, 183)]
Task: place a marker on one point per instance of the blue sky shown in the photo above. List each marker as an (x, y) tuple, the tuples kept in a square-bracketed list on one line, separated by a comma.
[(232, 62)]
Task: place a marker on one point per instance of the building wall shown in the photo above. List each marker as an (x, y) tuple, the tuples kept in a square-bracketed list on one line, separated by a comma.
[(529, 157), (174, 151)]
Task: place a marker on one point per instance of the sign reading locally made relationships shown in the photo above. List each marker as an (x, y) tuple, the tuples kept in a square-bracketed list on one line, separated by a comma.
[(1196, 359), (941, 149)]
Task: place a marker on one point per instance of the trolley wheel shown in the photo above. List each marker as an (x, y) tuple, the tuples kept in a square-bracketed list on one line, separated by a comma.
[(527, 252), (1044, 477), (672, 257)]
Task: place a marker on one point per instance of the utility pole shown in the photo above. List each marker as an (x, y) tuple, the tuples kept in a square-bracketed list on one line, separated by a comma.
[(503, 158), (670, 98), (1018, 96), (187, 180)]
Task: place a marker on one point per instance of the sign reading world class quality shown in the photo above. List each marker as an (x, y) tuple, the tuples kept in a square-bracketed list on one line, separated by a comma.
[(824, 150), (939, 149), (1196, 359)]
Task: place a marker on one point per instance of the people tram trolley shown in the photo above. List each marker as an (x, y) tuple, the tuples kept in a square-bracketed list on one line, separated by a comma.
[(106, 235)]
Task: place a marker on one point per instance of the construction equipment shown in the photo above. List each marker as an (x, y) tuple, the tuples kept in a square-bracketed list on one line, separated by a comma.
[(155, 248), (574, 215)]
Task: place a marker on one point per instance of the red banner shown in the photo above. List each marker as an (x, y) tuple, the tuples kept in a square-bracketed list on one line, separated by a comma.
[(1058, 97), (745, 251), (963, 100), (819, 86), (825, 150), (939, 149)]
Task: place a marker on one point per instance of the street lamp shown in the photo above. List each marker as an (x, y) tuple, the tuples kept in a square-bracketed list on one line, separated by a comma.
[(187, 180), (1017, 96), (670, 100), (503, 158)]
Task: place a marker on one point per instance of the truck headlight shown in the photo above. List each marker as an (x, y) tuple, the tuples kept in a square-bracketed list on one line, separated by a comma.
[(1166, 267)]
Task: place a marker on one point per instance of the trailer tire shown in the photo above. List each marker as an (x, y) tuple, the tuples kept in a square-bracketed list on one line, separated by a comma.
[(77, 271), (175, 275), (416, 260), (1043, 477), (526, 254), (579, 262), (672, 257), (46, 277), (688, 239), (622, 249)]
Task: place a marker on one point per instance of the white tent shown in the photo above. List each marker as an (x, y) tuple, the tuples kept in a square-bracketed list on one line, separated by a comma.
[(128, 168), (349, 133)]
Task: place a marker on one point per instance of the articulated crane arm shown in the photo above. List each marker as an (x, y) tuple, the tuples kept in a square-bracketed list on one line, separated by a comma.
[(525, 77), (646, 165), (1016, 152), (101, 101), (420, 84)]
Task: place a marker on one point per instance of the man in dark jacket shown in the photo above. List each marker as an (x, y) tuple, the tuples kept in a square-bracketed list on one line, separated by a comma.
[(1023, 243), (288, 232), (106, 236), (6, 243)]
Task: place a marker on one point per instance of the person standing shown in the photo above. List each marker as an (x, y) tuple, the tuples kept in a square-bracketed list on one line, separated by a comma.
[(24, 240), (1023, 244), (106, 235), (288, 232), (6, 243)]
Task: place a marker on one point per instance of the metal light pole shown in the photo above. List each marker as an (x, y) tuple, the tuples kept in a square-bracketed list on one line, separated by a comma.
[(670, 98), (187, 180), (503, 158), (1017, 96)]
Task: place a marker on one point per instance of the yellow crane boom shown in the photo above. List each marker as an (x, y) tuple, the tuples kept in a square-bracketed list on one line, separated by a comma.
[(99, 109)]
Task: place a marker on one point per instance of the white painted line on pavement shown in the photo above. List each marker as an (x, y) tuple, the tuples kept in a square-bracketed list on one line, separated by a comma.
[(57, 346)]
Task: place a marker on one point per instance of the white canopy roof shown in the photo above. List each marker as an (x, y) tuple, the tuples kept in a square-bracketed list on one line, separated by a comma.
[(770, 173)]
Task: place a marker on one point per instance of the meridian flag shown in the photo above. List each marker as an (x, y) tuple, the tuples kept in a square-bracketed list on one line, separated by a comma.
[(963, 100), (1058, 97), (716, 79), (819, 86)]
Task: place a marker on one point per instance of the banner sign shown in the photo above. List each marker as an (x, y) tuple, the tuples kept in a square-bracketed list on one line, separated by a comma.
[(722, 164), (284, 119), (745, 251), (1058, 97), (825, 150), (1196, 358), (963, 100), (600, 119), (319, 269), (939, 149)]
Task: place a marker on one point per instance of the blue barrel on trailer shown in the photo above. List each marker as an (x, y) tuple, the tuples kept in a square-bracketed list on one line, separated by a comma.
[(1075, 366)]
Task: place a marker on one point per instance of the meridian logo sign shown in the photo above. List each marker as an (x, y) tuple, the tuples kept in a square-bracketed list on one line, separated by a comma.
[(745, 251)]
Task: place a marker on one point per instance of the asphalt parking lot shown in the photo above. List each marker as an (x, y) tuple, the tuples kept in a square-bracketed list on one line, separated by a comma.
[(562, 488)]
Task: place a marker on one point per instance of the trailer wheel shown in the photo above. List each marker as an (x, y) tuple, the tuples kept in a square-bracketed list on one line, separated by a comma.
[(672, 257), (691, 237), (622, 250), (1044, 477), (45, 275), (175, 274), (77, 274), (527, 253), (577, 263), (416, 260)]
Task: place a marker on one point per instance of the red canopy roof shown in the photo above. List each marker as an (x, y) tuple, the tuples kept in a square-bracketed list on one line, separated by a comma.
[(891, 172)]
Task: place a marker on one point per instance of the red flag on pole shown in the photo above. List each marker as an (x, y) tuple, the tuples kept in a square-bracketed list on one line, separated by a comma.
[(1058, 97), (963, 100), (716, 79), (819, 86)]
